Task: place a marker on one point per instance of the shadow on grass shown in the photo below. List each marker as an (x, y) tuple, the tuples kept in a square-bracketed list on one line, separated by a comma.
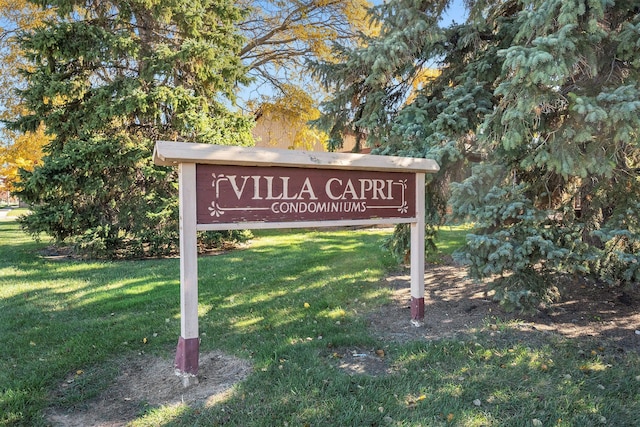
[(469, 381), (69, 316), (69, 319)]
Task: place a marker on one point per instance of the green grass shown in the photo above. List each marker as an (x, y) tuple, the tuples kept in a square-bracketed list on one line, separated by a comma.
[(16, 212), (450, 238), (64, 316)]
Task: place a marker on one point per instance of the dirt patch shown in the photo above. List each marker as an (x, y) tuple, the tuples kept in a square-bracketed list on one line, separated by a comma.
[(361, 361), (151, 382), (456, 305)]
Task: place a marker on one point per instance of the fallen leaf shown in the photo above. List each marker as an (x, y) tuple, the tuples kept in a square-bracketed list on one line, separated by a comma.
[(412, 402)]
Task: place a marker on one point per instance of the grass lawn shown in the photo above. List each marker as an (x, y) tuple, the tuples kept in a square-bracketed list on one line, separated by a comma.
[(66, 318), (16, 212)]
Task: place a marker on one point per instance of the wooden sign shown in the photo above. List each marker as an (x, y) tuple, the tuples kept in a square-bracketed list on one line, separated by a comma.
[(226, 188), (230, 194)]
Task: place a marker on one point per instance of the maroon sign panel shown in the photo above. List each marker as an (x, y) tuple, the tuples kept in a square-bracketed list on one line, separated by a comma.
[(230, 194)]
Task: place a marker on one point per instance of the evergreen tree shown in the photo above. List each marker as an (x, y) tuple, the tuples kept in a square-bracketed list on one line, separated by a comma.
[(108, 79), (543, 98)]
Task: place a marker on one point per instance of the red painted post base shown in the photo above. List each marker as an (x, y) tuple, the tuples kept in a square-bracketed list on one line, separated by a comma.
[(417, 311), (187, 356)]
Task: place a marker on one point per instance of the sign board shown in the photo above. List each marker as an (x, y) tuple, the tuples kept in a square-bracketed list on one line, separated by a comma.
[(227, 187), (235, 194)]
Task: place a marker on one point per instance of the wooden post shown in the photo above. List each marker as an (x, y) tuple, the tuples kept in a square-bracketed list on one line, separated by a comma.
[(417, 255), (186, 362)]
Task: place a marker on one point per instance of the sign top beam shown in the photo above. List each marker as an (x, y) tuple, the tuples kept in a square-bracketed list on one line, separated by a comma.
[(167, 153)]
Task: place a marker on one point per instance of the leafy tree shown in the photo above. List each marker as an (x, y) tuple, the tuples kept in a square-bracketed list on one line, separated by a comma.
[(542, 98), (292, 114), (17, 150), (16, 15), (24, 153), (280, 37), (108, 79)]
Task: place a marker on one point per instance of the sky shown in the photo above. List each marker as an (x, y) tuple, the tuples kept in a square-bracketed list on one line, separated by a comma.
[(455, 13)]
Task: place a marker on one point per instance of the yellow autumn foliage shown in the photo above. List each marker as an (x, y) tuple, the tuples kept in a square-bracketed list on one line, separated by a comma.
[(24, 153), (17, 15), (291, 113), (281, 36), (423, 77), (17, 151)]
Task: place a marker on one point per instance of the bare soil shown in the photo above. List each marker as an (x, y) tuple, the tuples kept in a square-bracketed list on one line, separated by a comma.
[(454, 306), (149, 381)]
